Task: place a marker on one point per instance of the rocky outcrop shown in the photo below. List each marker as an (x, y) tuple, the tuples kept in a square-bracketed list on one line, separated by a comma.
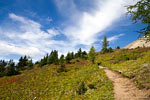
[(141, 42)]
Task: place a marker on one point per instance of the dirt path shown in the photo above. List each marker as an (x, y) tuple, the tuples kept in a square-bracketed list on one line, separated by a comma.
[(124, 88)]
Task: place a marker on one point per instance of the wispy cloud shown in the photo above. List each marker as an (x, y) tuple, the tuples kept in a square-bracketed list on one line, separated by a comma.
[(8, 48), (114, 38), (29, 39), (89, 26)]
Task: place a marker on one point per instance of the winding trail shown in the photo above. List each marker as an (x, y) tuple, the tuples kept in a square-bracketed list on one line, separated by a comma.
[(124, 88)]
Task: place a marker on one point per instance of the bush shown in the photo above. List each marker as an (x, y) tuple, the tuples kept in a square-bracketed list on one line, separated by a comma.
[(81, 90), (99, 63), (110, 50), (62, 69), (104, 50), (77, 60), (118, 47), (91, 86)]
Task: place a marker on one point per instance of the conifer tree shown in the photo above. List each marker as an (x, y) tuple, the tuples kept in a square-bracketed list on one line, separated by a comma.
[(84, 53), (55, 58), (68, 58), (62, 59), (105, 44), (43, 62), (76, 55), (10, 70), (30, 64), (110, 50), (92, 54), (20, 64), (25, 60), (118, 47), (79, 52), (2, 67), (50, 58), (72, 55), (140, 13)]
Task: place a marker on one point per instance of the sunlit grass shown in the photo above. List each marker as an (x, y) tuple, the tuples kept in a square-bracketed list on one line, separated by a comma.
[(47, 84)]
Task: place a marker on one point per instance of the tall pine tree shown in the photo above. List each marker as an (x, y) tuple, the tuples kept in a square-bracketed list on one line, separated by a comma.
[(62, 59), (105, 44), (68, 58), (92, 54)]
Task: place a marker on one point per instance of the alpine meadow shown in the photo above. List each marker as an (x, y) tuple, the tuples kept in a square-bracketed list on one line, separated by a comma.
[(75, 50)]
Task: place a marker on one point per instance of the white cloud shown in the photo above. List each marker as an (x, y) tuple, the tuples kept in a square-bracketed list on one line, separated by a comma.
[(17, 18), (53, 32), (30, 39), (92, 25), (21, 50), (114, 38)]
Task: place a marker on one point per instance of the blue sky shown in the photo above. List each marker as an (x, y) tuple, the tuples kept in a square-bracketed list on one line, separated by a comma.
[(35, 27)]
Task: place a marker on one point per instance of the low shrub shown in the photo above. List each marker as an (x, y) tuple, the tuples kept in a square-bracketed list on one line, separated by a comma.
[(91, 86), (62, 69), (81, 89)]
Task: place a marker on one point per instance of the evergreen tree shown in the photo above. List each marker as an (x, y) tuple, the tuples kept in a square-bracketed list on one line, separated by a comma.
[(23, 63), (30, 64), (43, 61), (20, 65), (84, 53), (55, 57), (92, 54), (76, 55), (2, 67), (50, 58), (140, 12), (105, 44), (25, 60), (62, 59), (118, 47), (10, 70), (68, 58), (72, 55), (110, 50), (79, 52)]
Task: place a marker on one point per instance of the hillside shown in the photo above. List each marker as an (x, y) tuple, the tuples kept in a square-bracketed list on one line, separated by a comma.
[(47, 83), (134, 64), (82, 80)]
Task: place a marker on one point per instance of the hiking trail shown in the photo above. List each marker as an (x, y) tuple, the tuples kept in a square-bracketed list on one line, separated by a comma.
[(124, 88)]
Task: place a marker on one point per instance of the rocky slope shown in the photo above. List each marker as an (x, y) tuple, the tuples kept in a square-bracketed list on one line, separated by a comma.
[(141, 42)]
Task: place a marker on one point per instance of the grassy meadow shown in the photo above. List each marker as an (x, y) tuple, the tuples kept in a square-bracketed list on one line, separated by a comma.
[(47, 84)]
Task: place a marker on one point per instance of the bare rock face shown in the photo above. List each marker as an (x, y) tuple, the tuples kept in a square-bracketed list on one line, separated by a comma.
[(141, 42)]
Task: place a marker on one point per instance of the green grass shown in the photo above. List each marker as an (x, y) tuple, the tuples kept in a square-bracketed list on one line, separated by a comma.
[(134, 64), (47, 84)]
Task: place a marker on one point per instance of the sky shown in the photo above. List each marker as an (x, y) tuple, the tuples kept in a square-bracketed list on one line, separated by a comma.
[(36, 27)]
